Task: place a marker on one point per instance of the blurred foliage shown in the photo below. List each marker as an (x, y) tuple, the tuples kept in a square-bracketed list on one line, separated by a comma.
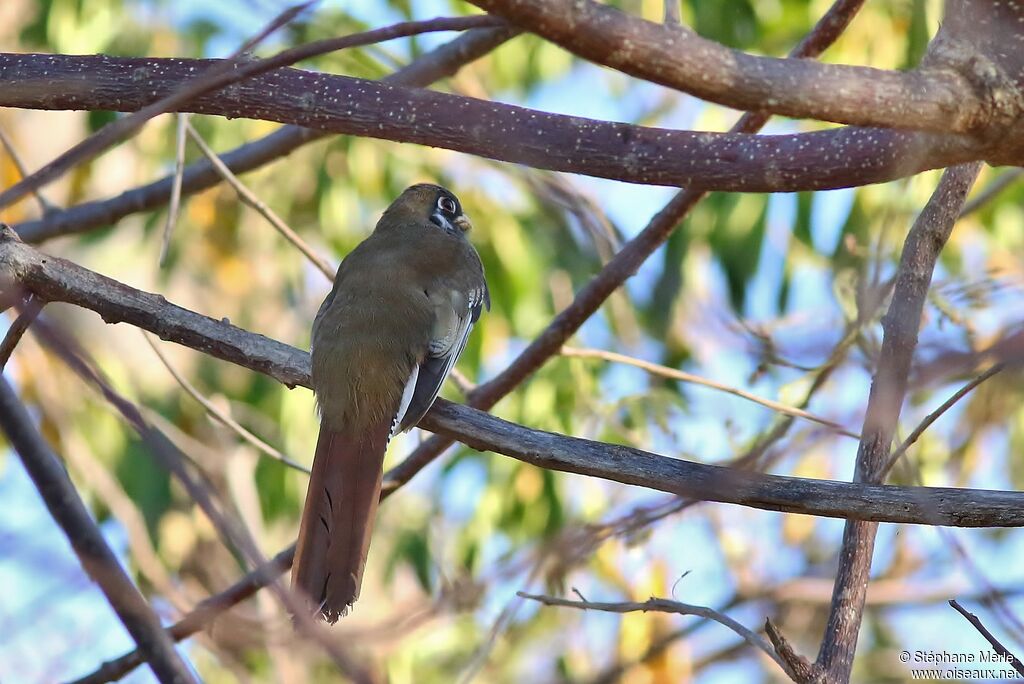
[(752, 291)]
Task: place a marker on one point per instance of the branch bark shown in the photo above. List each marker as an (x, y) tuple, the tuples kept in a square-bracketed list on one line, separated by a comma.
[(697, 160), (928, 235), (943, 96), (439, 63), (57, 280), (98, 561)]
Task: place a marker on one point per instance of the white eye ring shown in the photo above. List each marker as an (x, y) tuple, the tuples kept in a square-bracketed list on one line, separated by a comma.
[(446, 204)]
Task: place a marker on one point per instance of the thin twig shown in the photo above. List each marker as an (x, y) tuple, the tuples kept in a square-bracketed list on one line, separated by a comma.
[(45, 206), (991, 191), (98, 561), (682, 376), (222, 416), (934, 415), (249, 197), (672, 17), (179, 170), (27, 314), (661, 605), (999, 648)]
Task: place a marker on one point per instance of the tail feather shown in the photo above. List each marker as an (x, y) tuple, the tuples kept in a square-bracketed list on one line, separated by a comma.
[(337, 520)]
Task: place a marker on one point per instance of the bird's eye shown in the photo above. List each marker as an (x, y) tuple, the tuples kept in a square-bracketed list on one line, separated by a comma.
[(446, 204)]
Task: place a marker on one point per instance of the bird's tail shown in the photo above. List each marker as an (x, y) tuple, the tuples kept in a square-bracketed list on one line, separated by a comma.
[(337, 520)]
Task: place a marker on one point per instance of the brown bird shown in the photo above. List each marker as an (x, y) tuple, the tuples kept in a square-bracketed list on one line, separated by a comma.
[(403, 304)]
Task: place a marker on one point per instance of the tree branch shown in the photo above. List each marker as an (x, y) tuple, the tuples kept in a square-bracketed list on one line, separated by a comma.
[(934, 98), (98, 561), (58, 280), (338, 104), (889, 385), (989, 637), (661, 605), (441, 62)]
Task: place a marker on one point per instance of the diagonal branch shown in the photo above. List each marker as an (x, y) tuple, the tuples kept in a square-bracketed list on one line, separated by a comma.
[(997, 646), (98, 561), (888, 388), (443, 61), (816, 160)]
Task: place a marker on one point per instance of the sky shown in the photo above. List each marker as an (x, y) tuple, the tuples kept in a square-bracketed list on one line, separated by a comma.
[(48, 647)]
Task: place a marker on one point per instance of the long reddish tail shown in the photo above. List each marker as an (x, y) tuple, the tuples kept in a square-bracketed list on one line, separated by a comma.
[(337, 521)]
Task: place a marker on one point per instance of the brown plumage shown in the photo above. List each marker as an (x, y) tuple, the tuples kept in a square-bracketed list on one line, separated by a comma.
[(384, 340)]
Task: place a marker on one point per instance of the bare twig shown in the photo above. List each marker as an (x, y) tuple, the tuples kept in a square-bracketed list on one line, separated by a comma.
[(45, 206), (179, 170), (250, 198), (225, 73), (682, 376), (663, 606), (27, 314), (198, 176), (999, 648), (222, 416), (96, 557), (799, 668), (934, 415), (671, 17), (900, 324), (992, 191)]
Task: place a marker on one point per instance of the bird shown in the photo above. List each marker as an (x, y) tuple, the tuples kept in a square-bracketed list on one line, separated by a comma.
[(395, 322)]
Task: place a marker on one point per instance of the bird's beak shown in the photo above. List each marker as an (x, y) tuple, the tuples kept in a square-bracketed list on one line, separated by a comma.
[(464, 224)]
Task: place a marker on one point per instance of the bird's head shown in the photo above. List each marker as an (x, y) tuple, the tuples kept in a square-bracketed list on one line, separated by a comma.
[(427, 202)]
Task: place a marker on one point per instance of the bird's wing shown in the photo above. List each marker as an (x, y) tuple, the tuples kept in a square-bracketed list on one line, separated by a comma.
[(456, 314)]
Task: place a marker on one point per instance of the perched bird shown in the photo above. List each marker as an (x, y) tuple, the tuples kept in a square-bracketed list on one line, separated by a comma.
[(403, 304)]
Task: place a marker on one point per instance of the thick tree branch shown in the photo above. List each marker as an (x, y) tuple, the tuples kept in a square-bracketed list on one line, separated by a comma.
[(439, 63), (98, 561), (57, 280), (936, 98), (697, 160), (888, 388)]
